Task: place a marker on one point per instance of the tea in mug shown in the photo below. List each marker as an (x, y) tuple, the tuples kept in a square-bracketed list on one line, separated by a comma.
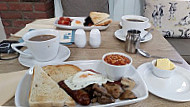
[(42, 37), (134, 20)]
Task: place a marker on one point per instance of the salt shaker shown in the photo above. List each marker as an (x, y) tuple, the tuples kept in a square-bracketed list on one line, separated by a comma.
[(80, 38), (95, 38), (132, 42)]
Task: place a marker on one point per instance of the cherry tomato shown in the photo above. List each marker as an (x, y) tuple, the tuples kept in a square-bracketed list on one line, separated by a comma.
[(61, 18), (67, 19), (66, 22), (60, 22)]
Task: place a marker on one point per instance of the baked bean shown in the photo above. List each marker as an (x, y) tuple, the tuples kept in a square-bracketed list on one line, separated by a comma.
[(116, 59)]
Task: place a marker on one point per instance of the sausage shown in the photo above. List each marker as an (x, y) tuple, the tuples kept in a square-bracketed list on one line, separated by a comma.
[(80, 96)]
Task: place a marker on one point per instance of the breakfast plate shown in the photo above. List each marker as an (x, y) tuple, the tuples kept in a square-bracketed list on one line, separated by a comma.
[(140, 90), (62, 55), (119, 35), (79, 27), (176, 88)]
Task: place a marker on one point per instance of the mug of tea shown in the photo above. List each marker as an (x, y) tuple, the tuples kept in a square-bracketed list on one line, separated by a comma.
[(43, 44), (134, 22)]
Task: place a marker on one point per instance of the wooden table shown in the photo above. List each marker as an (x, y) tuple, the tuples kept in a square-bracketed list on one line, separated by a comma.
[(157, 46)]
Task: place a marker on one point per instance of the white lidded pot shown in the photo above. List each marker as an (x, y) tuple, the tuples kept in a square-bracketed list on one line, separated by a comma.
[(80, 38), (95, 38)]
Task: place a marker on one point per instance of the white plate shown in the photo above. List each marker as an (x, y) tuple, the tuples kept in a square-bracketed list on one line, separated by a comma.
[(62, 55), (119, 35), (175, 88), (140, 90), (149, 25), (80, 27)]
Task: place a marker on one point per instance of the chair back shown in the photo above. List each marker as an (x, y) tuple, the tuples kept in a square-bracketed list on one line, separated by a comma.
[(116, 8), (79, 8), (2, 31), (82, 8)]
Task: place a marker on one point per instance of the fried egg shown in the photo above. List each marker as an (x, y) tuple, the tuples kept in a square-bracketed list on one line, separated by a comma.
[(76, 23), (84, 78)]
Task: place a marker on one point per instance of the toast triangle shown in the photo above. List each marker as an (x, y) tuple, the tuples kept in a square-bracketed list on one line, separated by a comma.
[(46, 92), (61, 72), (105, 22), (98, 16)]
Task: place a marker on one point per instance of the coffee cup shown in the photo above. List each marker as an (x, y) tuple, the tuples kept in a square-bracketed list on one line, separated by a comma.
[(43, 44), (134, 22)]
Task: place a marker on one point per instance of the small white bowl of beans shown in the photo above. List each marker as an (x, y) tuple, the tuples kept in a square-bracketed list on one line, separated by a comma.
[(116, 64)]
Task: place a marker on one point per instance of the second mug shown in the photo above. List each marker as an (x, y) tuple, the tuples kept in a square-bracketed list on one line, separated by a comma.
[(134, 22)]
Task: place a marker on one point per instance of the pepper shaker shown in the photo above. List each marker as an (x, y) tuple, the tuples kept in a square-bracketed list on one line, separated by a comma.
[(95, 38), (80, 38)]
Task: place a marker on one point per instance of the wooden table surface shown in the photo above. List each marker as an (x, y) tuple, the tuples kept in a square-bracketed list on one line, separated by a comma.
[(157, 46)]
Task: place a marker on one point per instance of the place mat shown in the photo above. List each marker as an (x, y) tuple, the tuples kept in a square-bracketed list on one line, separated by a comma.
[(49, 21), (37, 24), (8, 84), (32, 26)]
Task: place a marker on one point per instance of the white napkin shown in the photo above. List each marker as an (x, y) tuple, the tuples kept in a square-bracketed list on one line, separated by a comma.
[(8, 85)]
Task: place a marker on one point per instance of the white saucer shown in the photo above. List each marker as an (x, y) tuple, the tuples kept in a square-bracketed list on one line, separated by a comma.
[(149, 25), (62, 55), (119, 35), (175, 88)]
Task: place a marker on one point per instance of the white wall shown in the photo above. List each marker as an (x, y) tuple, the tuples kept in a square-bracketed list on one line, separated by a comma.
[(119, 8)]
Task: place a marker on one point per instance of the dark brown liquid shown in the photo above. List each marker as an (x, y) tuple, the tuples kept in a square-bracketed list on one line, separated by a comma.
[(134, 20), (42, 38)]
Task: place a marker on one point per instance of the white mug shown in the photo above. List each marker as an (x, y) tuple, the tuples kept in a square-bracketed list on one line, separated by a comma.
[(40, 50), (134, 22)]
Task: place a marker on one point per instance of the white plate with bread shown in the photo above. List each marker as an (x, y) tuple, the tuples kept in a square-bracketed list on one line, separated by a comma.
[(45, 81), (95, 20)]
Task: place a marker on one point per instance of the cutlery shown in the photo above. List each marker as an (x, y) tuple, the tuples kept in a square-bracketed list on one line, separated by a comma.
[(143, 38), (146, 54)]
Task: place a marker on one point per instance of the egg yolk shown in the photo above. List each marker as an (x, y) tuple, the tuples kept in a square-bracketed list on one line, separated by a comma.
[(78, 22), (85, 75)]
